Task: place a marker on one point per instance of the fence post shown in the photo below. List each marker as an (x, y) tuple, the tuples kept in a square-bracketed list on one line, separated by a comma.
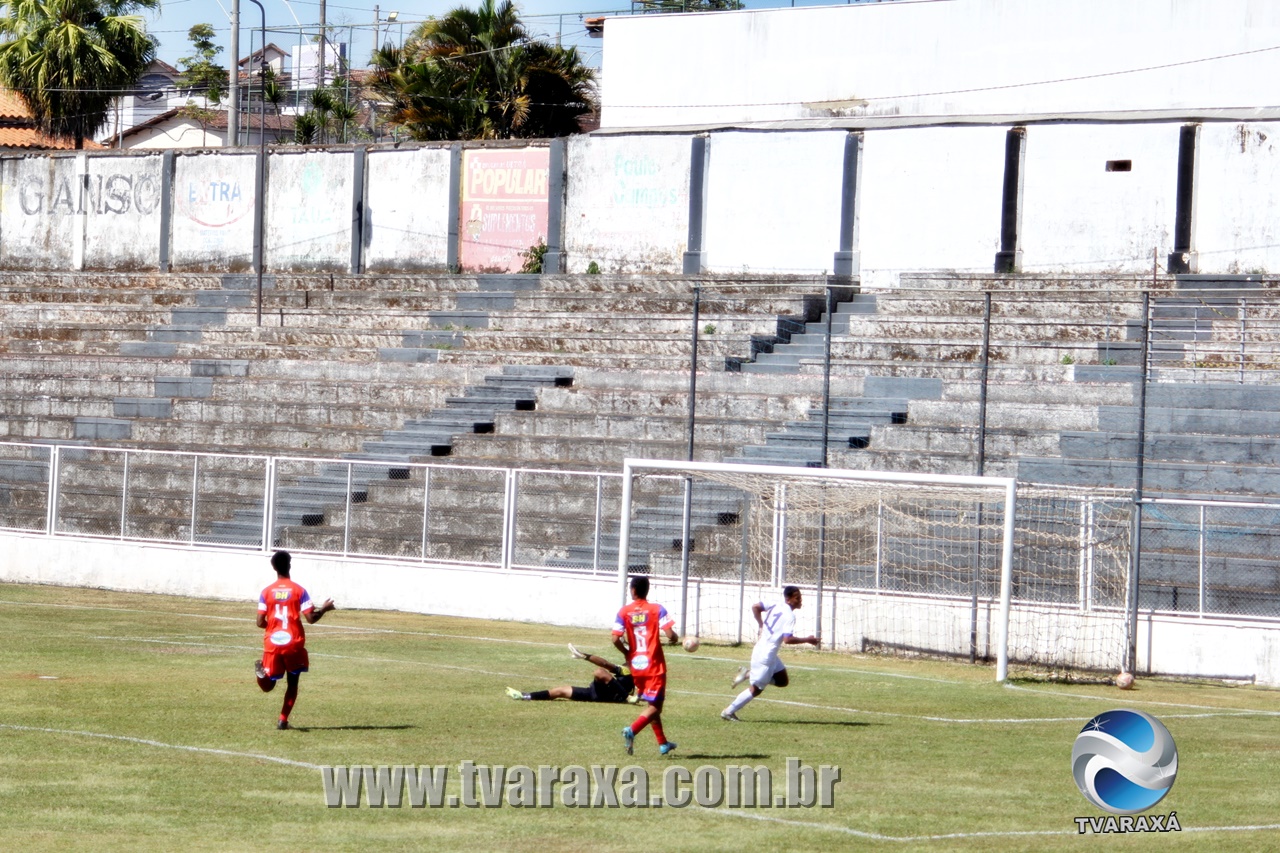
[(1202, 558), (346, 515), (1135, 554), (51, 511), (269, 504), (742, 564), (426, 509), (124, 497), (595, 536), (195, 491)]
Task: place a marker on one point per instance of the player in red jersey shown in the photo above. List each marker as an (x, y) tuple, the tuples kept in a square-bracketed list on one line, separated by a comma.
[(637, 633), (281, 609)]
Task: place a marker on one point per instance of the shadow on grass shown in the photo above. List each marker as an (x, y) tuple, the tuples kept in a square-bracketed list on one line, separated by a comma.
[(715, 756), (814, 723), (351, 728)]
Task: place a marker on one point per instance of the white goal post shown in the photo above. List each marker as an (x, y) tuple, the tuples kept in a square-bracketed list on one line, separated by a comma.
[(799, 525)]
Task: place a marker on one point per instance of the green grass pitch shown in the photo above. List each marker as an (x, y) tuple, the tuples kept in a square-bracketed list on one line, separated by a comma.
[(132, 722)]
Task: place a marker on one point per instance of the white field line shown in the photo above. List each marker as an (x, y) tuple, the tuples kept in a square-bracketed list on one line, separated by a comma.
[(721, 812), (1210, 712), (162, 745), (840, 670)]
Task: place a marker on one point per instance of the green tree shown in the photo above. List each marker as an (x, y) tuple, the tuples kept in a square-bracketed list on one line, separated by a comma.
[(67, 59), (476, 74), (200, 71)]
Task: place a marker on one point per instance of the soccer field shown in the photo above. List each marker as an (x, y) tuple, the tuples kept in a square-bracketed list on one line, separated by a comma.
[(132, 722)]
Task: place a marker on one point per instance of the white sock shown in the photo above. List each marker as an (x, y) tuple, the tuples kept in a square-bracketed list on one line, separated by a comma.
[(743, 698)]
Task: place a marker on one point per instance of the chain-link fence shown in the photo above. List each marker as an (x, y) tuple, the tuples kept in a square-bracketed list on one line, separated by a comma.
[(1072, 549)]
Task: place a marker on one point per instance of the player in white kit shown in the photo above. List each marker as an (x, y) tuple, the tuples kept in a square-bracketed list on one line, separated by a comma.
[(776, 626)]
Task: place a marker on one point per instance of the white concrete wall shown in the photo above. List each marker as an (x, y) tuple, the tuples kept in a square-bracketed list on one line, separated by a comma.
[(122, 228), (213, 201), (178, 133), (627, 203), (40, 224), (773, 202), (1180, 645), (1238, 174), (1079, 217), (936, 59), (407, 210), (309, 210), (930, 199)]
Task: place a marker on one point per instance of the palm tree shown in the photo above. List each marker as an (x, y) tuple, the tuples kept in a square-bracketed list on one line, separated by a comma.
[(67, 59), (476, 74)]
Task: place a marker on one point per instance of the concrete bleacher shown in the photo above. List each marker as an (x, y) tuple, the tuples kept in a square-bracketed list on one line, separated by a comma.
[(580, 372)]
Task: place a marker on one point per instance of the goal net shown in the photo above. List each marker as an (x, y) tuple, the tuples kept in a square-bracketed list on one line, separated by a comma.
[(970, 567)]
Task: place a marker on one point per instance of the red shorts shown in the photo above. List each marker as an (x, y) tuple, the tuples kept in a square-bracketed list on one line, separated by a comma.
[(651, 688), (278, 663)]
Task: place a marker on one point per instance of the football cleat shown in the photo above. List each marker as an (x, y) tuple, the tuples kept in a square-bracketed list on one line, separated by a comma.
[(259, 669), (629, 740), (743, 672), (728, 715), (575, 654), (282, 725), (667, 747), (515, 694)]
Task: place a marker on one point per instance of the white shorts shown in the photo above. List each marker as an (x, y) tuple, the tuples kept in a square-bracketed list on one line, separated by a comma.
[(764, 669)]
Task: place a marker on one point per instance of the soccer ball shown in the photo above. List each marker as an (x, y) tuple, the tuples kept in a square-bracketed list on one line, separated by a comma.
[(1124, 680), (691, 644)]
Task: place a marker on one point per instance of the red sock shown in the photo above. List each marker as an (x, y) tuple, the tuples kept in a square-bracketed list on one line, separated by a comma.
[(290, 695), (657, 731), (639, 724)]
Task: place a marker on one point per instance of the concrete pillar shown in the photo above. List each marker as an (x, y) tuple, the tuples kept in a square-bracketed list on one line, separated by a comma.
[(259, 212), (699, 164), (80, 171), (455, 202), (167, 161), (1009, 258), (848, 260), (553, 259), (1183, 259), (358, 160)]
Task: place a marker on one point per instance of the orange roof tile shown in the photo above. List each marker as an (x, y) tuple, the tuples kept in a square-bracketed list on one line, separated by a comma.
[(29, 137)]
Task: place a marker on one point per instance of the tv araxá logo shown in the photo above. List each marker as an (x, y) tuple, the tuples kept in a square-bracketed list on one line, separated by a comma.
[(1124, 761)]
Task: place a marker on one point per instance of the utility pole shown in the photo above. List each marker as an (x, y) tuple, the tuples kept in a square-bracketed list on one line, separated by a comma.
[(324, 34), (233, 114)]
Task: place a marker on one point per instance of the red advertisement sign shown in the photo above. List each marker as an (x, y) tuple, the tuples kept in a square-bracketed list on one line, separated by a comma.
[(504, 207)]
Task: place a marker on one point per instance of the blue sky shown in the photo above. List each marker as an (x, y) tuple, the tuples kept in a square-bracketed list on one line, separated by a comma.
[(353, 17), (356, 17)]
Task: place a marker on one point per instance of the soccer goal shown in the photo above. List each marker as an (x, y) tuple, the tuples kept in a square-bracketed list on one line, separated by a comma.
[(889, 562)]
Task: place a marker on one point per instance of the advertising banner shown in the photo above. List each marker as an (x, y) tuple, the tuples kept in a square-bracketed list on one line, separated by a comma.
[(504, 207)]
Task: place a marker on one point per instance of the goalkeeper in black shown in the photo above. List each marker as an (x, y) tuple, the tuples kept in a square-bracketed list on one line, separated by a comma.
[(611, 684)]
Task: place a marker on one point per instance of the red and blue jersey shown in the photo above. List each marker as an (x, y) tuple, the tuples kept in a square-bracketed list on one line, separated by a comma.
[(642, 624), (283, 603)]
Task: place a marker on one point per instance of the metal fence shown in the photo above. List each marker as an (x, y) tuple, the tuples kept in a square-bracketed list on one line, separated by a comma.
[(1208, 558), (492, 517)]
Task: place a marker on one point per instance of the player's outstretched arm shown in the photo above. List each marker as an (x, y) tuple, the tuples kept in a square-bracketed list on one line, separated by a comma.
[(314, 614), (800, 641), (757, 610), (672, 637)]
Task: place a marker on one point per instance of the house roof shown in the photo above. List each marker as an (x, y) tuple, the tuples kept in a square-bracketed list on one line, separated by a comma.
[(161, 65), (215, 120), (18, 128), (259, 52)]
